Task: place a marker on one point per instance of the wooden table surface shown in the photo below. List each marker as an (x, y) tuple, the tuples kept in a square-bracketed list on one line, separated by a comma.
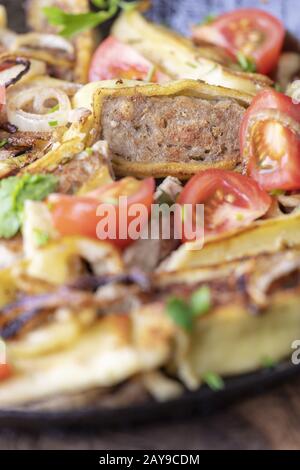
[(268, 421)]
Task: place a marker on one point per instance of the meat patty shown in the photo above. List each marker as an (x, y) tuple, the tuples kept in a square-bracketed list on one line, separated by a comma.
[(172, 129), (74, 173)]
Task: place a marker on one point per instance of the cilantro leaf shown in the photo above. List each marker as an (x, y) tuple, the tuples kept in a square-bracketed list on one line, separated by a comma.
[(180, 312), (277, 192), (201, 301), (41, 237), (247, 64), (208, 19), (268, 362), (214, 381), (278, 87), (72, 24), (54, 109), (128, 6), (183, 313), (100, 3), (14, 191)]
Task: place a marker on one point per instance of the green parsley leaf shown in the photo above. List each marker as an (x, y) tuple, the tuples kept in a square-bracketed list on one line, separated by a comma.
[(53, 123), (180, 312), (72, 24), (246, 63), (3, 142), (208, 19), (41, 237), (214, 381), (54, 109), (192, 65), (277, 192), (128, 6), (278, 87), (268, 362), (240, 217), (151, 74), (100, 3), (14, 191), (112, 201), (183, 313), (201, 301)]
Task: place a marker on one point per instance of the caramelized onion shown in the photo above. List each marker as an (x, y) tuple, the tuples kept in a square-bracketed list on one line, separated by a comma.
[(30, 109), (13, 70), (33, 41), (7, 38)]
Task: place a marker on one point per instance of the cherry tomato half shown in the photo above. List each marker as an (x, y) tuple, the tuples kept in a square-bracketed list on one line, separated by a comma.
[(5, 371), (230, 200), (250, 31), (113, 59), (73, 215), (270, 143)]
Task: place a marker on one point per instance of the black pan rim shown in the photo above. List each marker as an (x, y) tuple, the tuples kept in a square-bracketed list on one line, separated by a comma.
[(199, 403)]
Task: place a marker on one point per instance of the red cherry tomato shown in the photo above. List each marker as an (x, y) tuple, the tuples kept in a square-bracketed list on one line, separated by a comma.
[(5, 371), (270, 143), (250, 31), (113, 59), (230, 200), (73, 215)]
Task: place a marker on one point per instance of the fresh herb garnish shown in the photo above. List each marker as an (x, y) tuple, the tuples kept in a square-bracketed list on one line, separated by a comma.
[(201, 301), (112, 201), (191, 64), (14, 191), (151, 74), (72, 24), (247, 64), (239, 217), (41, 237), (183, 313), (128, 6), (277, 192), (268, 362), (214, 381), (54, 109), (278, 87), (183, 213), (180, 312), (53, 123), (3, 142), (208, 19)]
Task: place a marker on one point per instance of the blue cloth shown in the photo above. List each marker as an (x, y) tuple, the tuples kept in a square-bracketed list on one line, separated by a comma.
[(180, 14)]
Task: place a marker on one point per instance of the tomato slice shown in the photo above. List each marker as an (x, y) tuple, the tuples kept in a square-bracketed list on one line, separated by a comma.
[(270, 141), (113, 59), (5, 371), (73, 215), (230, 200), (250, 31)]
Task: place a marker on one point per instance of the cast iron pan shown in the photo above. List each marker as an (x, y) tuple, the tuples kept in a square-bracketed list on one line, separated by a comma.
[(202, 402)]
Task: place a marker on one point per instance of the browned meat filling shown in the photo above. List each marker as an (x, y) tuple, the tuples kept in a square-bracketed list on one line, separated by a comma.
[(74, 173), (172, 129)]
